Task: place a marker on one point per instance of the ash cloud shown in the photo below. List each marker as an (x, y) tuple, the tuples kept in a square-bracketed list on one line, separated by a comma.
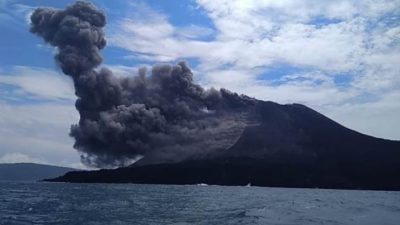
[(161, 115)]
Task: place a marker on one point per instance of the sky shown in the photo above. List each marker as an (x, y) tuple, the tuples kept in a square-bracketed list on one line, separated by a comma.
[(341, 58)]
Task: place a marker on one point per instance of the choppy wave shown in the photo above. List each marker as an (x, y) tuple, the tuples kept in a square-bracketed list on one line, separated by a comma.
[(59, 203)]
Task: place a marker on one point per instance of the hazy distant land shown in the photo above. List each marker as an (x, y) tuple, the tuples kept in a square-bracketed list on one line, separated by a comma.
[(30, 171)]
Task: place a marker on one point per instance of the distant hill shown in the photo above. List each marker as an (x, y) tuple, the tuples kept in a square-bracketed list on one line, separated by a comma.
[(30, 171)]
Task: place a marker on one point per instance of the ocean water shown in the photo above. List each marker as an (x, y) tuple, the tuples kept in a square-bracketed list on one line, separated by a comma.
[(59, 203)]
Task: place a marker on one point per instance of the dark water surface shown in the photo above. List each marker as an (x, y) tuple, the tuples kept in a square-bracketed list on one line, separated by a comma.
[(58, 203)]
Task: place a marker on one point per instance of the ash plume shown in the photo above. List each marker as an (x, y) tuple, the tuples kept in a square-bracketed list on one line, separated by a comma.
[(161, 115)]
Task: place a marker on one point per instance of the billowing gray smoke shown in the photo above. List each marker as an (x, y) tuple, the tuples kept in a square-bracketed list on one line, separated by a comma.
[(161, 115)]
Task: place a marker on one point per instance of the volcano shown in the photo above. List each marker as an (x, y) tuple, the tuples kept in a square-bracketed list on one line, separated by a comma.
[(281, 145)]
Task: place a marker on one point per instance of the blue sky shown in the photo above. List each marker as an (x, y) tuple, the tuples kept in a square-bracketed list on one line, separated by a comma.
[(339, 57)]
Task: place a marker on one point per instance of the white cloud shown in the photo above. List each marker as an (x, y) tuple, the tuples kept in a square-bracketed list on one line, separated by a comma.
[(149, 35), (19, 158), (293, 10), (378, 118), (39, 131), (194, 32), (33, 82), (15, 14), (125, 71), (251, 35)]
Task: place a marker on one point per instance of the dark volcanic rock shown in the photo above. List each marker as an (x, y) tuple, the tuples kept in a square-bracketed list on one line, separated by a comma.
[(281, 145)]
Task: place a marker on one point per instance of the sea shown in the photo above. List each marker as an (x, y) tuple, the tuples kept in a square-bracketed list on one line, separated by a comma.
[(66, 203)]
